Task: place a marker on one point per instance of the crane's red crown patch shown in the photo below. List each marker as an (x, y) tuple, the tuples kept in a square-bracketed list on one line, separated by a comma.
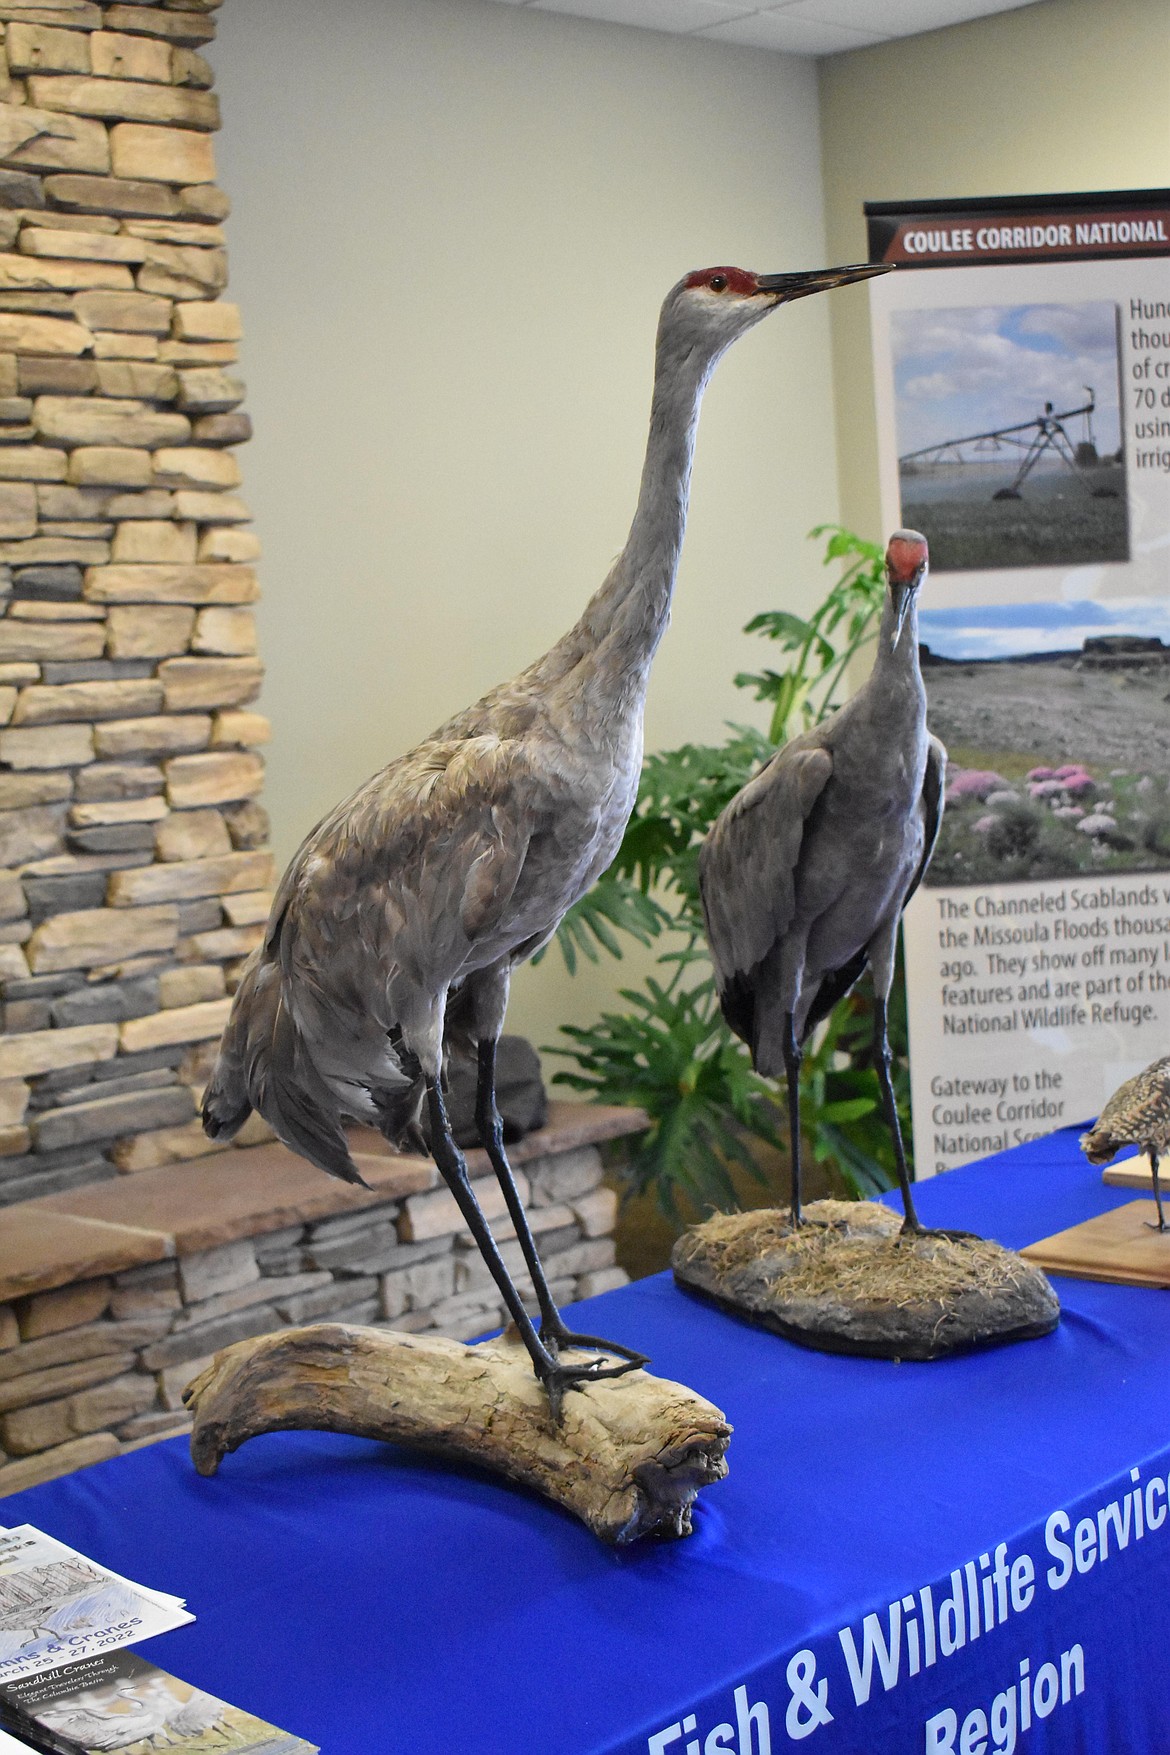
[(737, 280), (906, 552)]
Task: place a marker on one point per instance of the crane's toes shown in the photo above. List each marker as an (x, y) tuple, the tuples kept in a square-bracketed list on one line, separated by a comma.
[(561, 1378), (1155, 1225), (912, 1233), (557, 1337)]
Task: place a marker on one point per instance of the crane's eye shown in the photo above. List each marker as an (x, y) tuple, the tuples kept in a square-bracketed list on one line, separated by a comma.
[(717, 282)]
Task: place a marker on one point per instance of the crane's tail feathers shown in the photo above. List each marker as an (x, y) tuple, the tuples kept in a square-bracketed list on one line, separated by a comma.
[(832, 989), (300, 1108), (737, 1002), (225, 1106), (323, 1146), (227, 1100)]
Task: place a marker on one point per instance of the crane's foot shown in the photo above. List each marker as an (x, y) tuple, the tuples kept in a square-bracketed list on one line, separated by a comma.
[(557, 1337), (1155, 1225), (911, 1234), (558, 1378)]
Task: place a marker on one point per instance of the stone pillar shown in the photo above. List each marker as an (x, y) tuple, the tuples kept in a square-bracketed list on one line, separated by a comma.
[(135, 875)]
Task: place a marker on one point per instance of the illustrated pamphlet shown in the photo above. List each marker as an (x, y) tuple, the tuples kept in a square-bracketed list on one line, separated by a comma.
[(57, 1607), (118, 1700)]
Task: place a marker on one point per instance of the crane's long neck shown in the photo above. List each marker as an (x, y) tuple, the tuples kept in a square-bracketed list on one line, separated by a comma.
[(902, 659), (646, 570), (894, 692), (611, 647)]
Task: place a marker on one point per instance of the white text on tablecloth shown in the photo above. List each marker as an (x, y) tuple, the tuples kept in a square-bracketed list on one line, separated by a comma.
[(925, 1627)]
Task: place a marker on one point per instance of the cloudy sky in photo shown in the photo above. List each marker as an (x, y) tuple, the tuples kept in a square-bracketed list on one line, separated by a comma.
[(976, 368), (1011, 630)]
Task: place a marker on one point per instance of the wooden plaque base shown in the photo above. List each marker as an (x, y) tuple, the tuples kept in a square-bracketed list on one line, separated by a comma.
[(1117, 1246), (1135, 1173)]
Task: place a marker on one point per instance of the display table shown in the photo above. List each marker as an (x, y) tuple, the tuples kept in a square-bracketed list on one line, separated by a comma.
[(382, 1605)]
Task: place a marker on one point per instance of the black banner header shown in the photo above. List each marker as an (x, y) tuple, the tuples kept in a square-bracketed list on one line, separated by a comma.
[(1019, 228)]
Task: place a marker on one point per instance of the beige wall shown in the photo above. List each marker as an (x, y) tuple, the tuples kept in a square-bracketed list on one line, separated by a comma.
[(1065, 94), (454, 222)]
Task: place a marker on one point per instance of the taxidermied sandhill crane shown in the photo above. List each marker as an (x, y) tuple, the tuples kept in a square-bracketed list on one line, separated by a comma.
[(400, 920), (1137, 1114), (806, 872)]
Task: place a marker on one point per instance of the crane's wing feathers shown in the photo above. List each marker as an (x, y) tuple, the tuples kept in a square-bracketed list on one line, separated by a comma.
[(747, 867), (379, 910), (433, 844), (836, 985), (933, 790)]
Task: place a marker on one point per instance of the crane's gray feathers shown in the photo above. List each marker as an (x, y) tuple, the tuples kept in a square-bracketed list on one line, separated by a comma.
[(754, 850), (833, 988), (807, 870), (308, 1115), (841, 981), (934, 786), (400, 887), (227, 1102)]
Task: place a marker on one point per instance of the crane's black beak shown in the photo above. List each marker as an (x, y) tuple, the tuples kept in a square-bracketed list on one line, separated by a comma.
[(815, 280)]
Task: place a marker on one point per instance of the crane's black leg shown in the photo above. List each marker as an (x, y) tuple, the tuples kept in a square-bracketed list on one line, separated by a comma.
[(912, 1226), (793, 1056), (882, 1059), (555, 1376), (1161, 1225), (553, 1331)]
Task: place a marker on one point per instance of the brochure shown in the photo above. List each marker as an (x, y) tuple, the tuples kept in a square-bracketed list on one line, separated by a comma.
[(118, 1700), (56, 1606)]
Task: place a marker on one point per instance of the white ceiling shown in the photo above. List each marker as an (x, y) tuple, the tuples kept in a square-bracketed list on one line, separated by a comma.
[(796, 27)]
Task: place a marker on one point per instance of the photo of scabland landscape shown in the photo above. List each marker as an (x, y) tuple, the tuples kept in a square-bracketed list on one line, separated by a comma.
[(1009, 434), (1057, 725)]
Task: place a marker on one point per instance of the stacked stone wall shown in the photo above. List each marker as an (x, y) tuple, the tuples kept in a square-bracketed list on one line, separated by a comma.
[(134, 870)]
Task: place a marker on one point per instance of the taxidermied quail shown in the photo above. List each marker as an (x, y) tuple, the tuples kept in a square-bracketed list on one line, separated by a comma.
[(1137, 1114)]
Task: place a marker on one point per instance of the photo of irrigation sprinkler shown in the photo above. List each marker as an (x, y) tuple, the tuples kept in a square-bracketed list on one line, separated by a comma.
[(1010, 451)]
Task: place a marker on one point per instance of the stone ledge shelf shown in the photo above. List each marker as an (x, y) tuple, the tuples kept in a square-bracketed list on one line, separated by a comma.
[(113, 1296)]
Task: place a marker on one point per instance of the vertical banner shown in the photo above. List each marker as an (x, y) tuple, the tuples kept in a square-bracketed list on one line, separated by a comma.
[(1022, 360)]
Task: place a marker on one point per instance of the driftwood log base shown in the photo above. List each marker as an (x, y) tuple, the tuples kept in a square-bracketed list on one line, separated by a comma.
[(846, 1282), (628, 1456)]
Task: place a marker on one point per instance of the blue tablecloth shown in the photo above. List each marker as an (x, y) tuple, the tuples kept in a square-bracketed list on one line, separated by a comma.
[(382, 1605)]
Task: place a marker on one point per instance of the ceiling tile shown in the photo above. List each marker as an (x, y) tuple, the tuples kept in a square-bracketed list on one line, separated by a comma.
[(896, 18), (794, 27), (683, 16), (790, 35)]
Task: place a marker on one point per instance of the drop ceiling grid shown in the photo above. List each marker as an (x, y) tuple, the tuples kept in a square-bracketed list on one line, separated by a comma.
[(794, 27)]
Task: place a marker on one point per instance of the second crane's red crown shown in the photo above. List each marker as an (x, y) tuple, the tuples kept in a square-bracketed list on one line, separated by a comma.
[(906, 554)]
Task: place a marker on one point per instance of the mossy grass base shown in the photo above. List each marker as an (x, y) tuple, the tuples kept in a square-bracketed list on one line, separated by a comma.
[(848, 1281)]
